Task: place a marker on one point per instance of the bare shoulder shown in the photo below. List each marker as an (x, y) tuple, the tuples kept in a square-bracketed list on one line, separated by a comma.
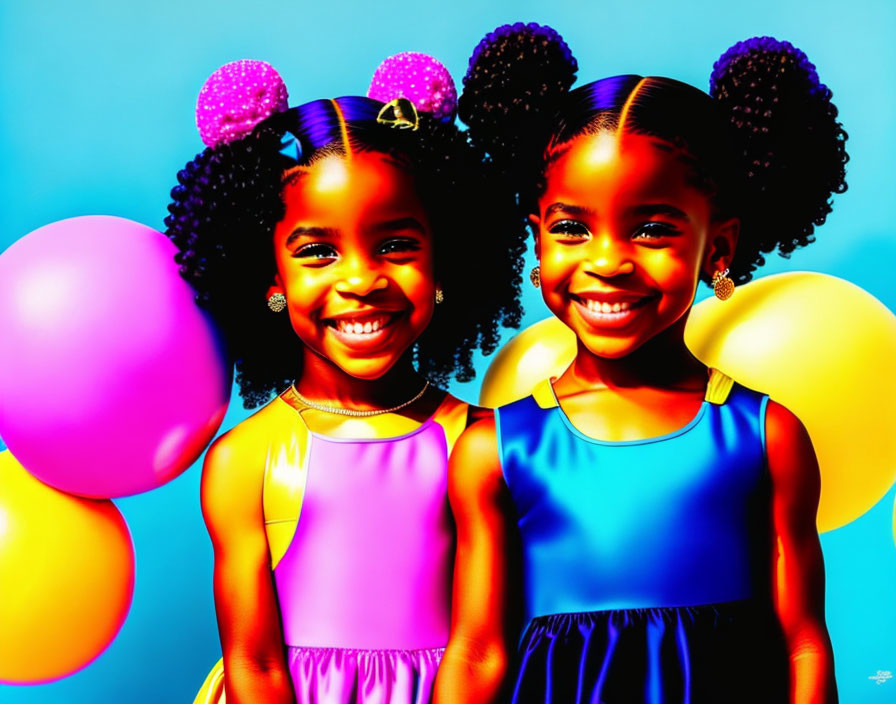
[(474, 472), (791, 457), (233, 469), (782, 426)]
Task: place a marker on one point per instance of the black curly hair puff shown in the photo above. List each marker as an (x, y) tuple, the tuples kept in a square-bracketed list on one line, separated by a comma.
[(229, 199), (516, 77), (765, 145), (791, 148)]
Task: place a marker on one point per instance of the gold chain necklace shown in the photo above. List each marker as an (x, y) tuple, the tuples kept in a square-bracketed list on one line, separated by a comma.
[(353, 413)]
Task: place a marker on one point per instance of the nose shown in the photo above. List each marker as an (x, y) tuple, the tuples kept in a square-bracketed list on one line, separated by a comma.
[(359, 278), (608, 257)]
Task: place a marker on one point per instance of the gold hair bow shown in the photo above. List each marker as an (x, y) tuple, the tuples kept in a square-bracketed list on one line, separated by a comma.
[(400, 113)]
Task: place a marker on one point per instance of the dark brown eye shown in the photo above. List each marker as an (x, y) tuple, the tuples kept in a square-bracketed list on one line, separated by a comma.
[(655, 230), (395, 245), (569, 228), (316, 250)]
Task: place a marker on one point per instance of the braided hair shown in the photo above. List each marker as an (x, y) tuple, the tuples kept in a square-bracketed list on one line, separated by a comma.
[(764, 143)]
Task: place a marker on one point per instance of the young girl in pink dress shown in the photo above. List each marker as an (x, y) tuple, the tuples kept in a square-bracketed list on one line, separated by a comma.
[(338, 244)]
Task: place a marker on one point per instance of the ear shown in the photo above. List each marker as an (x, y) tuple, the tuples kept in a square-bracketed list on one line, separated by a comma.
[(277, 287), (535, 226), (720, 245)]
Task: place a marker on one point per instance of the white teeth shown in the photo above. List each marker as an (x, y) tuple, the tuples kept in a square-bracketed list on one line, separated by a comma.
[(604, 307), (365, 328)]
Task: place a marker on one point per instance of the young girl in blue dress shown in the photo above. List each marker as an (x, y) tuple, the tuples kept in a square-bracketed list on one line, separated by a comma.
[(665, 514)]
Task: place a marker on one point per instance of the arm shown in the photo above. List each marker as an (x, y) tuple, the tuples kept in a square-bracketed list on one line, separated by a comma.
[(798, 569), (475, 662), (248, 618)]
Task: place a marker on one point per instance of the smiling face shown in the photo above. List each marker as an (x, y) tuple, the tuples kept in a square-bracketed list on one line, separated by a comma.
[(622, 236), (354, 257)]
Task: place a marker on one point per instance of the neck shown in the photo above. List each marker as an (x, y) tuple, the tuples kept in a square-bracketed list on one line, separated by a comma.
[(664, 361), (326, 383)]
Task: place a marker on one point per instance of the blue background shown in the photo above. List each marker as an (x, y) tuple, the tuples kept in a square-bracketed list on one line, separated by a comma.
[(96, 117)]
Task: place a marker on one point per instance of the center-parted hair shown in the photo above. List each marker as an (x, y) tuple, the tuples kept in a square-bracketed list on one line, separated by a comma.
[(764, 143), (230, 197)]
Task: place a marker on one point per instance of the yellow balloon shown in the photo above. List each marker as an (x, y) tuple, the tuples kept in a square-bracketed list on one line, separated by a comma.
[(819, 345), (824, 348), (540, 351), (66, 577)]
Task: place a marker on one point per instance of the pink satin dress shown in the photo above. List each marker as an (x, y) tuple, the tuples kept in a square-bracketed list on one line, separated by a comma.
[(363, 566)]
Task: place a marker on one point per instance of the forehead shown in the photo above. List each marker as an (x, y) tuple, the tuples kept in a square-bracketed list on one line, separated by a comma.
[(367, 184), (606, 169)]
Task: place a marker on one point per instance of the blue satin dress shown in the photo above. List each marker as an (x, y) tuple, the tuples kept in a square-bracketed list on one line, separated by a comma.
[(646, 563)]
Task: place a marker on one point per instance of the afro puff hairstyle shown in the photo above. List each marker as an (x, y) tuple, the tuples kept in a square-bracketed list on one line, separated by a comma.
[(229, 199), (765, 142)]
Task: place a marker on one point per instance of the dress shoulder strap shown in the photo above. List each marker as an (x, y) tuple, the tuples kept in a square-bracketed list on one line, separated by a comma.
[(719, 387), (285, 476), (543, 394)]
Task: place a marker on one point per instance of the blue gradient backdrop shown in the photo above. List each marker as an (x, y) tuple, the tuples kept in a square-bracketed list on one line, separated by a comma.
[(96, 116)]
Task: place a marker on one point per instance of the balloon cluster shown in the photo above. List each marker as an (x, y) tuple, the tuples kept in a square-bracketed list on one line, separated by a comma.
[(112, 382)]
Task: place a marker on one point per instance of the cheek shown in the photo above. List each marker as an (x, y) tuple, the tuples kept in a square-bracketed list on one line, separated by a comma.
[(669, 266), (418, 286), (416, 279), (305, 292), (557, 269), (675, 274), (558, 262)]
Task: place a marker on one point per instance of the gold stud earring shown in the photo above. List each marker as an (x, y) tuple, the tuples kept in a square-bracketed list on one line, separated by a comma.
[(277, 302), (535, 276), (440, 295), (722, 285)]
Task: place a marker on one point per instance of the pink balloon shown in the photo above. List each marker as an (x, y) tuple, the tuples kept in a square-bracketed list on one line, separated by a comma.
[(112, 379)]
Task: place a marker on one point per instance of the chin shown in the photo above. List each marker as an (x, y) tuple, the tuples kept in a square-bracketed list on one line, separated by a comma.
[(368, 371), (609, 348)]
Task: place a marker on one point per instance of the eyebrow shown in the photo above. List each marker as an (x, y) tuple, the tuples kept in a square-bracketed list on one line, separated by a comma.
[(290, 176), (569, 209), (660, 209), (398, 224), (324, 232)]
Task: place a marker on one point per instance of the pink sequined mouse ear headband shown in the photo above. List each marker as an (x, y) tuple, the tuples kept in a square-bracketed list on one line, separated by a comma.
[(237, 97), (410, 82)]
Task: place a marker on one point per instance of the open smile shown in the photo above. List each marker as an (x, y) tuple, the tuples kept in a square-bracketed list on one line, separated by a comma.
[(609, 310), (363, 330)]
